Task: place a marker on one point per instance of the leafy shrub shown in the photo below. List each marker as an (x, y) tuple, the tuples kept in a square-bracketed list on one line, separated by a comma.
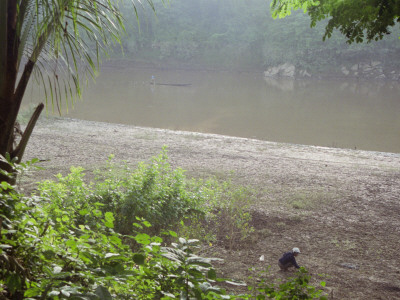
[(212, 210), (52, 256), (158, 193), (226, 218), (178, 272), (47, 253), (296, 287), (63, 244), (14, 168), (234, 212), (154, 192)]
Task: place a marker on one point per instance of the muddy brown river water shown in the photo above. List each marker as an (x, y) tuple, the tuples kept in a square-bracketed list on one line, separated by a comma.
[(333, 113)]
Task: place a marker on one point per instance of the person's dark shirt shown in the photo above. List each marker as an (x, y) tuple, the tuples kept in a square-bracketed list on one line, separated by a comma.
[(289, 257)]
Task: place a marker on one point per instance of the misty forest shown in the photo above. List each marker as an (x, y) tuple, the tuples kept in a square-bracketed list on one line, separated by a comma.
[(212, 149), (244, 36)]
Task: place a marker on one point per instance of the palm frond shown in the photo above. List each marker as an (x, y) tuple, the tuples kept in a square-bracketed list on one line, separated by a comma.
[(70, 37), (26, 33)]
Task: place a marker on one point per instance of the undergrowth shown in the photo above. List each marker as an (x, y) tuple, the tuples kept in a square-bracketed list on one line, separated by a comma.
[(210, 210), (118, 237)]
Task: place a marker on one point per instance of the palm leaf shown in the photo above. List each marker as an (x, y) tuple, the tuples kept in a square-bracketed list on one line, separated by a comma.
[(70, 36), (27, 30)]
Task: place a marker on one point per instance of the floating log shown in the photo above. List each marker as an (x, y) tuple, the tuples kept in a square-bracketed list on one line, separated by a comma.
[(173, 84)]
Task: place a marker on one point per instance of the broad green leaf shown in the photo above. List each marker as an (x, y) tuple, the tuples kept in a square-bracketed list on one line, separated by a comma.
[(109, 217), (87, 257), (32, 292), (169, 295), (6, 186), (71, 243), (54, 293), (83, 212), (195, 273), (137, 225), (146, 223), (143, 238), (103, 293), (13, 282), (97, 213), (49, 254), (139, 259), (109, 224), (197, 260), (3, 246), (211, 274), (116, 240), (156, 240), (108, 255)]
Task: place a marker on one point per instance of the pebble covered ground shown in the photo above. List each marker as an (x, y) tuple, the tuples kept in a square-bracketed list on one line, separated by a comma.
[(341, 207)]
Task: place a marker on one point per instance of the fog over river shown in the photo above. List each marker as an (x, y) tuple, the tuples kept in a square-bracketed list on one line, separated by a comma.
[(334, 113)]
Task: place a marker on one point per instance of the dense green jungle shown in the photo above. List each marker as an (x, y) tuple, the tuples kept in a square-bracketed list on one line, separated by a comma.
[(242, 35), (145, 230)]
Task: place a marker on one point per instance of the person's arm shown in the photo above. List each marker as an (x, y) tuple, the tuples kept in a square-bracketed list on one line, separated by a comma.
[(295, 263)]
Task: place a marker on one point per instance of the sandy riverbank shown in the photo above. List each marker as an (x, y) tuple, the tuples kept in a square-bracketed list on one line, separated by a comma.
[(339, 206)]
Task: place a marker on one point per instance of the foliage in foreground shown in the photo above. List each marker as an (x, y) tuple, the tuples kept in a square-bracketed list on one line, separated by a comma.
[(46, 253), (209, 210), (54, 246), (295, 287)]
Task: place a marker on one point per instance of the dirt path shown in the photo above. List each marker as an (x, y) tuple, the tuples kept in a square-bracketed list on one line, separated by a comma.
[(340, 207)]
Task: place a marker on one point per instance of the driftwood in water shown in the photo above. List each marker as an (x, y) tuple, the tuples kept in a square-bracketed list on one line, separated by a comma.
[(172, 84)]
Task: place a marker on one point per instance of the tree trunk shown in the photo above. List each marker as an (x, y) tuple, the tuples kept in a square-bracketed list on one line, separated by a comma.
[(11, 95), (7, 122), (20, 149), (6, 126), (9, 110), (18, 152)]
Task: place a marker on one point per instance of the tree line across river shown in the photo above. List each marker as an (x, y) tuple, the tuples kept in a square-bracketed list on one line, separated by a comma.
[(233, 34)]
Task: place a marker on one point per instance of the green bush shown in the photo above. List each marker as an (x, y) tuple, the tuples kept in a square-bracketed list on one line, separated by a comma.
[(152, 191), (296, 287), (64, 243), (59, 250), (226, 219), (157, 193), (234, 212), (212, 210)]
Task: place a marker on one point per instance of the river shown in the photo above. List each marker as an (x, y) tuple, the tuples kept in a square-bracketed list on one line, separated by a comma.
[(333, 113)]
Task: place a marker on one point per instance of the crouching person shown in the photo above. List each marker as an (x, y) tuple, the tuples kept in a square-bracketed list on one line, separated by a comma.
[(288, 259)]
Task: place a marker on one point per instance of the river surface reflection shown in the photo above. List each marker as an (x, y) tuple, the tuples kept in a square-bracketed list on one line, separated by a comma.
[(334, 113)]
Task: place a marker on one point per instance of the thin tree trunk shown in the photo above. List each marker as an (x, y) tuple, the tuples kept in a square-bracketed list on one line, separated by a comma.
[(11, 96), (6, 126), (7, 99), (16, 103), (20, 149)]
